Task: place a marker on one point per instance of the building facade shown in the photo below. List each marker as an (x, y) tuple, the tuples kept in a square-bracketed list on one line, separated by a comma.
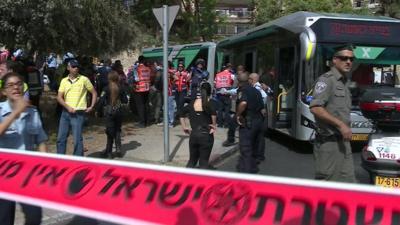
[(237, 16), (370, 4)]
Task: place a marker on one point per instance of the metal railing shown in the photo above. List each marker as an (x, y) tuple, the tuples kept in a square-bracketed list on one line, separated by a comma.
[(230, 29), (234, 13)]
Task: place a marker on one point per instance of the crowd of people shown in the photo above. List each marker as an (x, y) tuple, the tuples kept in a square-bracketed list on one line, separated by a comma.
[(82, 88)]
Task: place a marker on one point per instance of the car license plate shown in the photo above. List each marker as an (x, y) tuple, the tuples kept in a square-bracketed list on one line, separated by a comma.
[(359, 137), (387, 181)]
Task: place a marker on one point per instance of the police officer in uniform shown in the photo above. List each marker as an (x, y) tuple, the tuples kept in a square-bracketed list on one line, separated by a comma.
[(331, 107), (250, 119), (196, 76)]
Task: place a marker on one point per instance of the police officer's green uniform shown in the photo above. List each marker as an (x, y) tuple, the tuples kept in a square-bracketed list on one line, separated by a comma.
[(333, 157)]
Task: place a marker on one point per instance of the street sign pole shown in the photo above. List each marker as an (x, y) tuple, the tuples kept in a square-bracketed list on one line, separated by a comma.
[(165, 82), (165, 17)]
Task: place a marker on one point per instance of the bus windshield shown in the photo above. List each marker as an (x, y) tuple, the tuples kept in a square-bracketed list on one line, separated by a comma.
[(373, 65)]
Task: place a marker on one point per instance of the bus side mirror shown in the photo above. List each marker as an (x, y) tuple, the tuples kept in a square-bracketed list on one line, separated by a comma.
[(308, 44)]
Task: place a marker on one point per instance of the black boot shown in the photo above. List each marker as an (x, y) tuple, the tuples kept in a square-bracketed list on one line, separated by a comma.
[(118, 150), (108, 152)]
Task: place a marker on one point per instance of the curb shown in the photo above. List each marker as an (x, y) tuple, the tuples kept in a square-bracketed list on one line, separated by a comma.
[(61, 217), (225, 155)]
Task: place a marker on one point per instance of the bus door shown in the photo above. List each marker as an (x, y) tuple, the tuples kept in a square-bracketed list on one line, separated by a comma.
[(285, 89)]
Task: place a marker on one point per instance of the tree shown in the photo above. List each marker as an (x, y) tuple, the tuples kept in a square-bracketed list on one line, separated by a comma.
[(91, 27), (267, 10), (196, 20), (390, 8)]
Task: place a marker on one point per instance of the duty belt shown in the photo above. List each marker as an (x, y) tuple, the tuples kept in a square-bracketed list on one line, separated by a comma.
[(331, 138)]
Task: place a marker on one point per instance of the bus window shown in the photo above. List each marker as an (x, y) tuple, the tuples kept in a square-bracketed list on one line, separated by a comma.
[(249, 60), (363, 75), (286, 76)]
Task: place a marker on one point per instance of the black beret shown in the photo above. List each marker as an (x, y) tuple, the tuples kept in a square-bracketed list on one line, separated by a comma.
[(348, 47)]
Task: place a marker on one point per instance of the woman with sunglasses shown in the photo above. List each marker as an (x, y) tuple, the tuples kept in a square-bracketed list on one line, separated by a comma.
[(20, 129)]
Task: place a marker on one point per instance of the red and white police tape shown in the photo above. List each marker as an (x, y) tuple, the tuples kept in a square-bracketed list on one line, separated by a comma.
[(132, 193)]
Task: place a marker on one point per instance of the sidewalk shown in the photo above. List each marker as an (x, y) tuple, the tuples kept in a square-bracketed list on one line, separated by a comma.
[(140, 145)]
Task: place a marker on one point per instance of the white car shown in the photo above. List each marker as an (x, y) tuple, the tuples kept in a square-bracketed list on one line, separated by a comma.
[(381, 158)]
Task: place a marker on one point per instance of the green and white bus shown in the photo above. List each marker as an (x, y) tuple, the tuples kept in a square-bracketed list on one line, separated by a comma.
[(187, 53), (294, 50)]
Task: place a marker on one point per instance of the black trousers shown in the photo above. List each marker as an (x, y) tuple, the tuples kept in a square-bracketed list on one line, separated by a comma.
[(249, 141), (180, 100), (224, 107), (200, 146), (142, 103), (232, 125), (33, 214), (113, 131), (260, 152)]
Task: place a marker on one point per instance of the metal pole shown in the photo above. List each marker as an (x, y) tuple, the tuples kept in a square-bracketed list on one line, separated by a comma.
[(165, 82)]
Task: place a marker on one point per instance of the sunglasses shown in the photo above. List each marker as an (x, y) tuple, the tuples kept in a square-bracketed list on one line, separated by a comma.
[(345, 58)]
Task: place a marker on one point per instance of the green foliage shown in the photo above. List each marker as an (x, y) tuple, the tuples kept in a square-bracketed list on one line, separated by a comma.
[(271, 9), (390, 8), (196, 19), (333, 6), (267, 10), (91, 27)]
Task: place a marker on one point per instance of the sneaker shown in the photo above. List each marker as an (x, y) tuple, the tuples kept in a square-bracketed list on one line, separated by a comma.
[(160, 124), (228, 143)]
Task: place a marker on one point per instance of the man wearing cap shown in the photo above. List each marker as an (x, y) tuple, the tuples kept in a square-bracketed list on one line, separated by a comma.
[(196, 76), (331, 107), (72, 97), (180, 80)]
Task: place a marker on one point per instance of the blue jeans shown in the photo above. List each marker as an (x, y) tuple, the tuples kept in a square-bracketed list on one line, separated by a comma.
[(75, 120), (33, 214), (171, 109)]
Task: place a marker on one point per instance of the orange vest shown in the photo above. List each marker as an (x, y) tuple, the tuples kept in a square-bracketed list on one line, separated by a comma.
[(223, 79), (181, 82), (143, 73)]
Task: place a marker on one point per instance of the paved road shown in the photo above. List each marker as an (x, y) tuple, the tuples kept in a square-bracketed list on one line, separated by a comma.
[(288, 158), (285, 157)]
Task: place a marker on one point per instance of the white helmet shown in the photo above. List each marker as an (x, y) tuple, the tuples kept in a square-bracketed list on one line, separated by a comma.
[(68, 56), (18, 54)]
